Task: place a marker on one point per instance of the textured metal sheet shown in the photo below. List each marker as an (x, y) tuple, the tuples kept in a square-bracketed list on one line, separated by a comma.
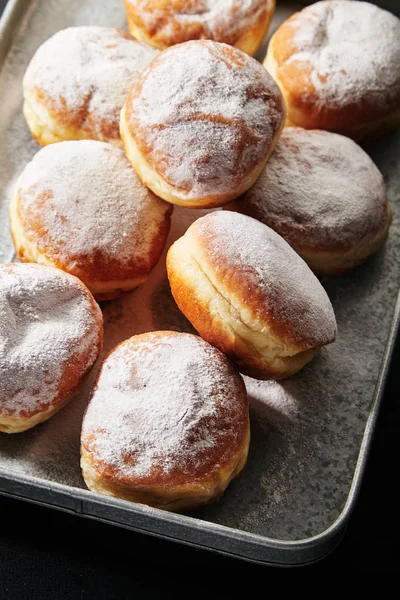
[(310, 433)]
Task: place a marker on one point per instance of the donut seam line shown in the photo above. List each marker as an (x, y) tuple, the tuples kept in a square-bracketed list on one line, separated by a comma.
[(233, 308)]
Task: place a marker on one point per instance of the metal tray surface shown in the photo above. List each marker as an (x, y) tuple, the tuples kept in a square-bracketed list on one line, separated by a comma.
[(310, 433)]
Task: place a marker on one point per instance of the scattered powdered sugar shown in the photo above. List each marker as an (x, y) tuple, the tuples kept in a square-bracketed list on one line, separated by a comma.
[(319, 189), (89, 203), (263, 265), (353, 49), (166, 402), (46, 319), (218, 20), (87, 72), (205, 115)]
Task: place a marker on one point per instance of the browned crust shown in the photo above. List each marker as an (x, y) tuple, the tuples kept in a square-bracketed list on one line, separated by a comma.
[(323, 260), (300, 238), (326, 255), (176, 489), (158, 161), (74, 370), (213, 328), (81, 120), (339, 258), (173, 497), (355, 117), (239, 282), (90, 268), (160, 14)]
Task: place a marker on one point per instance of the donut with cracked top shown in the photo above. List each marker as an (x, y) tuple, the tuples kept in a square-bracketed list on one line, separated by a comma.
[(167, 424), (51, 332), (240, 23), (325, 196), (201, 122), (337, 64), (247, 292), (77, 81), (80, 207)]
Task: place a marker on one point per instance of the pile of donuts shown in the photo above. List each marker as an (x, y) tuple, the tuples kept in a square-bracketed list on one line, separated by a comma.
[(182, 114)]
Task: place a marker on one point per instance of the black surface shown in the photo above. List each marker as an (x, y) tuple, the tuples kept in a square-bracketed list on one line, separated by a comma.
[(51, 555)]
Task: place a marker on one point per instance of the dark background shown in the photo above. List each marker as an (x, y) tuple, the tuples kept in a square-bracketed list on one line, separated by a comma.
[(51, 555)]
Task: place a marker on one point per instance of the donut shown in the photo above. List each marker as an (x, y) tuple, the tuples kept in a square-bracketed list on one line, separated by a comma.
[(337, 64), (77, 81), (79, 206), (325, 196), (167, 424), (247, 292), (201, 122), (51, 332), (163, 24)]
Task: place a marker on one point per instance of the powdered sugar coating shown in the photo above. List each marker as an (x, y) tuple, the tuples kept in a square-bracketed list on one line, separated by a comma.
[(204, 115), (166, 405), (351, 51), (47, 321), (83, 74), (181, 20), (261, 273), (319, 190), (81, 202)]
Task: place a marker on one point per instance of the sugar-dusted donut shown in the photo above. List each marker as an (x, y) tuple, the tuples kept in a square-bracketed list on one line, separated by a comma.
[(80, 207), (247, 292), (77, 81), (337, 64), (51, 332), (325, 196), (242, 24), (201, 122), (167, 424)]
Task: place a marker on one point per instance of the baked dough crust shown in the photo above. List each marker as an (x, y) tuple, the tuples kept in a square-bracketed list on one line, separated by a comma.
[(205, 436), (112, 249), (77, 81), (256, 318), (42, 364), (163, 24), (194, 143), (336, 63), (324, 195)]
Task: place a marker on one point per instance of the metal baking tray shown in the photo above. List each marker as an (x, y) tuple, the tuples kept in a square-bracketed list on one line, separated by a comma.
[(310, 433)]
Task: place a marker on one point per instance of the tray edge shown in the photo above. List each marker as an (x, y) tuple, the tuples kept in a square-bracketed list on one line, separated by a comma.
[(90, 505)]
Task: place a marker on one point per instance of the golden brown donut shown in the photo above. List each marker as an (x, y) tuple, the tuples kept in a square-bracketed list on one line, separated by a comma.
[(201, 122), (240, 23), (325, 196), (167, 424), (80, 207), (247, 292), (77, 82), (337, 64), (51, 332)]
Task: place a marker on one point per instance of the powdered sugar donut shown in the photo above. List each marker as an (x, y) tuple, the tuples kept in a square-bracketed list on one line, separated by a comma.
[(247, 292), (240, 23), (325, 196), (337, 64), (80, 207), (201, 122), (167, 424), (77, 82), (51, 332)]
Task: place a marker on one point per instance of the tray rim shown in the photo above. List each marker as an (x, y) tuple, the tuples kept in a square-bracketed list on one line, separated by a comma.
[(208, 535)]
